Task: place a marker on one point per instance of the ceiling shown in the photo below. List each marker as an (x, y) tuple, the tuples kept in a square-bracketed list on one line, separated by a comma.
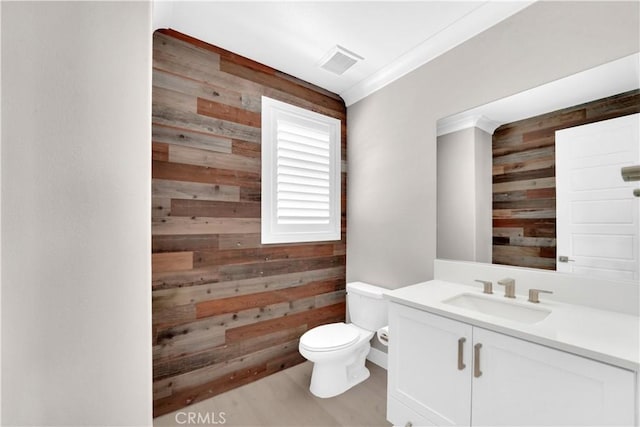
[(605, 80), (393, 37)]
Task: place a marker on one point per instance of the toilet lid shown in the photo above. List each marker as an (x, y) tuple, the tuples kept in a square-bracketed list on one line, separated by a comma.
[(329, 337)]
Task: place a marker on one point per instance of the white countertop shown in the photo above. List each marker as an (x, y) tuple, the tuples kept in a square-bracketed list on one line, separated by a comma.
[(606, 336)]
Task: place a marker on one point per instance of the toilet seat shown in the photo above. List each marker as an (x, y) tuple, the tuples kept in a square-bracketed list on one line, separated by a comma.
[(334, 336)]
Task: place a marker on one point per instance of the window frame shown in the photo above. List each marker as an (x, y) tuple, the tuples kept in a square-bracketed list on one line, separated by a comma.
[(273, 232)]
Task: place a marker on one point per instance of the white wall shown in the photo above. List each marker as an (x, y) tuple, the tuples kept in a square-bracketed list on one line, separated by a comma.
[(483, 166), (392, 133), (456, 195), (464, 195), (76, 111)]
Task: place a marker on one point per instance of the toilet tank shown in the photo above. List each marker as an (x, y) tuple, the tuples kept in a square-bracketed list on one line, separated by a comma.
[(367, 306)]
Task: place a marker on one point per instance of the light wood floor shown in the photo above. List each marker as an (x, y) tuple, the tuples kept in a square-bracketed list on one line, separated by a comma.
[(283, 399)]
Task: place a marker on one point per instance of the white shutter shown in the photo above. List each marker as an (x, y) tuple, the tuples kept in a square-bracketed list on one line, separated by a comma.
[(304, 181), (301, 174)]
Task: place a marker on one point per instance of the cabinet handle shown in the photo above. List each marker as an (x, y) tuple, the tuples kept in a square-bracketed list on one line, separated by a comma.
[(461, 364), (476, 360), (408, 424)]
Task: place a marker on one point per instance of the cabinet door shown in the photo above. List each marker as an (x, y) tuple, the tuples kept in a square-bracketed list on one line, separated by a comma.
[(528, 384), (424, 373)]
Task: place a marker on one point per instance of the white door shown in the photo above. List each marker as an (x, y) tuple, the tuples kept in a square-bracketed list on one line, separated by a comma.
[(528, 384), (429, 369), (597, 214)]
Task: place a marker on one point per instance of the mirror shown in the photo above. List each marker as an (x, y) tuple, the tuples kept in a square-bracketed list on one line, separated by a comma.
[(498, 199)]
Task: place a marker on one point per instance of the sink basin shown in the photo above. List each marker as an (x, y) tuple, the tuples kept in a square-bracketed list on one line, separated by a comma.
[(510, 310)]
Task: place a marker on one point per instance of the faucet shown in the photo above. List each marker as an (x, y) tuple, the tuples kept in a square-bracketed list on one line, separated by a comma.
[(534, 295), (487, 286), (509, 287)]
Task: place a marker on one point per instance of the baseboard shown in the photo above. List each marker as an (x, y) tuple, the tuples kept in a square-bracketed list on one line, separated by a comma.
[(378, 357)]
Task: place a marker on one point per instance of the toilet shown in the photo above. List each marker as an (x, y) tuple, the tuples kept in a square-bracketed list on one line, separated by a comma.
[(338, 350)]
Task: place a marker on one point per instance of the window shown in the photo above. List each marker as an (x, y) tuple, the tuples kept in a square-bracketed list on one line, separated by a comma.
[(300, 174)]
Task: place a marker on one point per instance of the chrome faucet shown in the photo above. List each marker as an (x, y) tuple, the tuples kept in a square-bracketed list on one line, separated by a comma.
[(486, 285), (509, 287)]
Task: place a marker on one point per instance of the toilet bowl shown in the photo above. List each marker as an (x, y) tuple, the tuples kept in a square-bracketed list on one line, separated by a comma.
[(339, 350)]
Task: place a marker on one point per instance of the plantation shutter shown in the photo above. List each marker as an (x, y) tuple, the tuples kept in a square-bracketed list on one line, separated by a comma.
[(301, 175), (303, 184)]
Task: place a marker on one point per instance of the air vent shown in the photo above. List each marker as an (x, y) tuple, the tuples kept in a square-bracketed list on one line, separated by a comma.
[(339, 60)]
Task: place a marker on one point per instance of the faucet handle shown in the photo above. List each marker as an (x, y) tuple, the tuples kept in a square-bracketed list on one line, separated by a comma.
[(509, 287), (487, 286), (534, 293)]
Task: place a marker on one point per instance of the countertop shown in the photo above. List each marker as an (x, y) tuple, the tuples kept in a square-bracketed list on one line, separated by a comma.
[(605, 336)]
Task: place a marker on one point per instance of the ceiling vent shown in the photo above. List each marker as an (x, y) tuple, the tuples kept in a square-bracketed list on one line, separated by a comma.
[(339, 60)]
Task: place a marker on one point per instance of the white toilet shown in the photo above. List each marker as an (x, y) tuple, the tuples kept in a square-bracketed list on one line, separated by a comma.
[(339, 350)]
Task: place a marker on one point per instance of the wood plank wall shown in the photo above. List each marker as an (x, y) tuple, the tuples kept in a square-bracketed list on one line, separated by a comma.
[(524, 193), (227, 310)]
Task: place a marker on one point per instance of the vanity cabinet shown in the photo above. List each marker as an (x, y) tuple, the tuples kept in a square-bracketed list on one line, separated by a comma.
[(445, 372)]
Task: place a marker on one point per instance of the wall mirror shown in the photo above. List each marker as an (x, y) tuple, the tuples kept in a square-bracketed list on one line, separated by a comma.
[(534, 180)]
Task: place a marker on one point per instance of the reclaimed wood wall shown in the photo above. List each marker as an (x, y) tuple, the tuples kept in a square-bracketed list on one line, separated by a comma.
[(227, 310), (524, 193)]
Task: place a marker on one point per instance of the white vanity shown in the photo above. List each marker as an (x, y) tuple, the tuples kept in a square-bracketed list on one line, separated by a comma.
[(458, 356)]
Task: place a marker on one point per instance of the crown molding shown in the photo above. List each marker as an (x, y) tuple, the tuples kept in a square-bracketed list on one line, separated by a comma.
[(480, 19), (456, 123)]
